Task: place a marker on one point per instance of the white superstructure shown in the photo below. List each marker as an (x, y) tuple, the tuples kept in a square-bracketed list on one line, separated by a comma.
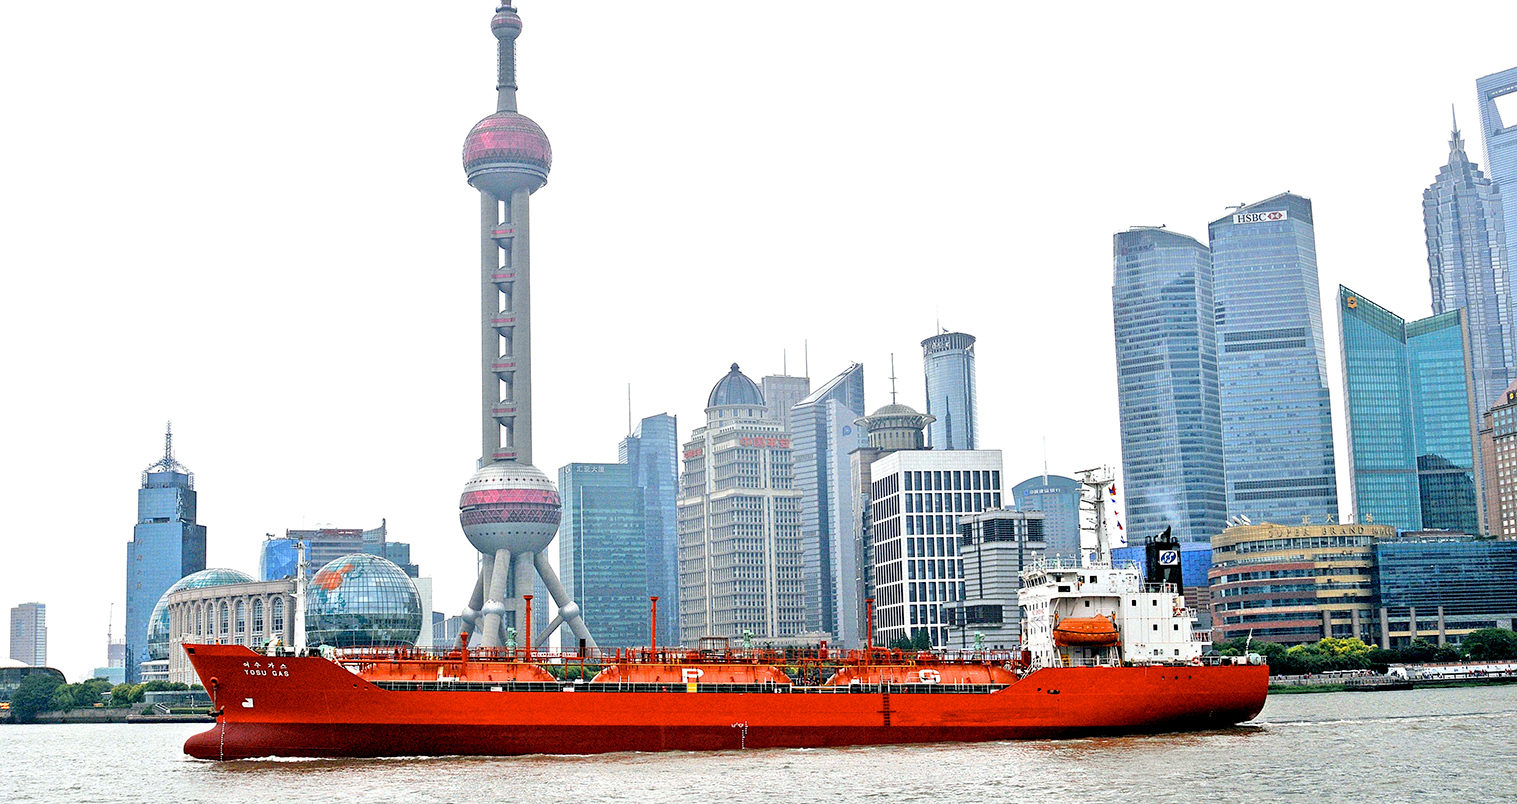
[(1149, 623)]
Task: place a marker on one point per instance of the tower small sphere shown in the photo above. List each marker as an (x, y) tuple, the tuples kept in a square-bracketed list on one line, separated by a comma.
[(509, 506), (507, 23)]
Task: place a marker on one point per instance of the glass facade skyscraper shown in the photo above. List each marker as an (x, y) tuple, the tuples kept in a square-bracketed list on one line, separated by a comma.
[(822, 435), (602, 552), (1167, 394), (1500, 136), (1410, 399), (948, 364), (1467, 267), (652, 450), (1277, 421), (1059, 500), (167, 544)]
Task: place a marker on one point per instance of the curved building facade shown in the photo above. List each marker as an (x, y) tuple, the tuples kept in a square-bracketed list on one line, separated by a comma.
[(1294, 584), (362, 600), (234, 612), (948, 364)]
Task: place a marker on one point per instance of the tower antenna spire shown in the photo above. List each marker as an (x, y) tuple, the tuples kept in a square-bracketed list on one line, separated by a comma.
[(892, 378), (629, 408)]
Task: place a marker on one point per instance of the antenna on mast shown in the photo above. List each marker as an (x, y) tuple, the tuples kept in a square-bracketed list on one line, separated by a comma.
[(629, 408), (892, 378), (805, 358)]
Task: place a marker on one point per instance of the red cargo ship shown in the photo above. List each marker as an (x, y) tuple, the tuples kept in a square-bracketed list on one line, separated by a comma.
[(1105, 653)]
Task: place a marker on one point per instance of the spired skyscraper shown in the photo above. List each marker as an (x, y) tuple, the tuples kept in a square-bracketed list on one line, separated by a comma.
[(1467, 267), (1500, 138), (1277, 421), (652, 450), (1167, 393), (1410, 398), (167, 544), (948, 364), (823, 434)]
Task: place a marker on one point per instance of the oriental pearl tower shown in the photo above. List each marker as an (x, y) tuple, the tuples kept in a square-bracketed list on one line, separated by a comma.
[(510, 509)]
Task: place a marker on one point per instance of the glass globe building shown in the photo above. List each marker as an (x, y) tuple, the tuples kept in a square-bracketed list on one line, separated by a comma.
[(158, 622), (362, 600)]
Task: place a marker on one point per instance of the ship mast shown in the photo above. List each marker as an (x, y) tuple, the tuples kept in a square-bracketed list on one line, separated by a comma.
[(1094, 484)]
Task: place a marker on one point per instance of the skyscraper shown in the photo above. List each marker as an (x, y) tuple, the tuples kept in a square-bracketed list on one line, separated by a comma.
[(1498, 448), (1277, 422), (948, 364), (822, 436), (739, 522), (1167, 392), (652, 450), (29, 634), (1467, 267), (781, 393), (1410, 399), (1500, 146), (918, 500), (1059, 500), (167, 544), (891, 428), (603, 551)]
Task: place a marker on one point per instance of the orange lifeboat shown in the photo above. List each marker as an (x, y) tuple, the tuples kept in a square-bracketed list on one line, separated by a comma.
[(700, 673), (1085, 632), (924, 673)]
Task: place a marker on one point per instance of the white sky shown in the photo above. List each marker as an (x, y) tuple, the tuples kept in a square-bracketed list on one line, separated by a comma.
[(251, 218)]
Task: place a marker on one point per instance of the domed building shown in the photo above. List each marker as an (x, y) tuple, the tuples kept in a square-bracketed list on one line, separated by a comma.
[(362, 600), (739, 507), (158, 632)]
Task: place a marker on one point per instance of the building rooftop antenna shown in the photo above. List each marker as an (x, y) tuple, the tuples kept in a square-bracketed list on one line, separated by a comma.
[(167, 462), (892, 378), (629, 408)]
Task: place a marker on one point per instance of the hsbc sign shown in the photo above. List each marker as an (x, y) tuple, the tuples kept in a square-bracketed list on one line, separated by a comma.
[(1260, 217)]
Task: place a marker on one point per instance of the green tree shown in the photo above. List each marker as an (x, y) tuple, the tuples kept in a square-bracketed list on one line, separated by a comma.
[(33, 697), (1489, 644)]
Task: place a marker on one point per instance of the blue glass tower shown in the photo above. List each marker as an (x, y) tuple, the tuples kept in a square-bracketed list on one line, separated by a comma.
[(1059, 500), (602, 551), (653, 453), (1277, 422), (166, 545), (1411, 418), (1167, 394), (1500, 148), (948, 363), (822, 435), (1467, 267)]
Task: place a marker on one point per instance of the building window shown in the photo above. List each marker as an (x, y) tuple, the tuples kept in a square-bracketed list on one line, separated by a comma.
[(258, 616)]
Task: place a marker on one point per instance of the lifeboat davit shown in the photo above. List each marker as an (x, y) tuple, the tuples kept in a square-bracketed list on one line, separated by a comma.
[(1085, 632), (700, 673)]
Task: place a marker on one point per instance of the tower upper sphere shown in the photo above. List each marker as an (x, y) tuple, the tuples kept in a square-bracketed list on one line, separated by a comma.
[(507, 151)]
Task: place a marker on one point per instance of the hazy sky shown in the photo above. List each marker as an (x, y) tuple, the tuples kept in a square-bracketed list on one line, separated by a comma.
[(251, 219)]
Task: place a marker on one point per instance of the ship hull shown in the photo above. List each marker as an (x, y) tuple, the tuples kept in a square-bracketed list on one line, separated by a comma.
[(310, 707)]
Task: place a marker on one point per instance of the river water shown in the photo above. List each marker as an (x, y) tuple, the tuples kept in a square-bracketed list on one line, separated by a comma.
[(1424, 745)]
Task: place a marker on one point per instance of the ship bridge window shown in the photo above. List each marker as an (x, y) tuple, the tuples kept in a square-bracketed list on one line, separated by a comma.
[(1063, 589)]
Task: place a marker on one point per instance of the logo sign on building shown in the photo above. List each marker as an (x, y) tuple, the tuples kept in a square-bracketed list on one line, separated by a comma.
[(1260, 217), (1169, 558), (780, 443)]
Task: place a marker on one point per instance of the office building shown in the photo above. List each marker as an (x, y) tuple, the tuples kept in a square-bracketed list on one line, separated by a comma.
[(1294, 584), (917, 500), (1277, 423), (1492, 93), (994, 547), (1440, 587), (603, 552), (1058, 499), (823, 434), (781, 394), (739, 522), (277, 555), (892, 427), (1167, 393), (167, 544), (1498, 450), (948, 365), (1468, 267), (652, 450), (1410, 399), (29, 634)]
